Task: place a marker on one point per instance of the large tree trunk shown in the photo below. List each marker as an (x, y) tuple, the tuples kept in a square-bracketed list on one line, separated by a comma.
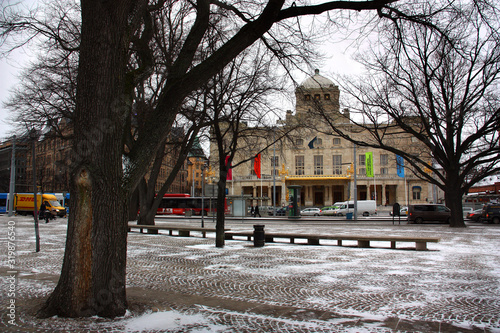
[(453, 198), (92, 280)]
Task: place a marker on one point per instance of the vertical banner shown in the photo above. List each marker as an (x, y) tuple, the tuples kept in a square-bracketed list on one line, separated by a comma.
[(256, 165), (369, 164), (400, 165), (229, 170)]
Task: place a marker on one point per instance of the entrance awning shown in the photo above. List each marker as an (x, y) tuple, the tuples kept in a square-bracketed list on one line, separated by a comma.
[(317, 177)]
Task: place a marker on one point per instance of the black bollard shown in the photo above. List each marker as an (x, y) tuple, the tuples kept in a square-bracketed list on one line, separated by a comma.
[(259, 237)]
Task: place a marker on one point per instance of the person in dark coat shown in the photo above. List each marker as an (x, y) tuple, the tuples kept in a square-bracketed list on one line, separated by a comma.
[(256, 211), (43, 212)]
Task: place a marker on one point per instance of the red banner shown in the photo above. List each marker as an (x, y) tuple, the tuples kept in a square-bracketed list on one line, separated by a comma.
[(229, 170), (256, 165)]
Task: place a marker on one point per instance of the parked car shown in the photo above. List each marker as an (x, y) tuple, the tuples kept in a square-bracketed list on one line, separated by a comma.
[(279, 212), (428, 212), (491, 213), (311, 212), (402, 212), (466, 210), (365, 208), (475, 215), (329, 211)]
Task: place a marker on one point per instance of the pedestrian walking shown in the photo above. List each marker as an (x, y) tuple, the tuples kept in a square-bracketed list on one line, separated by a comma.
[(43, 212), (256, 211), (252, 211)]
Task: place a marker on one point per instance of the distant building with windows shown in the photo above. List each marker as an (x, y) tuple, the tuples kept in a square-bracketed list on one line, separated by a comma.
[(321, 162), (53, 153), (22, 145)]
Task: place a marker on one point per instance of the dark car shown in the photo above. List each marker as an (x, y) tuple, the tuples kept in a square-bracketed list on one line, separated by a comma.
[(279, 212), (475, 215), (491, 213), (425, 212)]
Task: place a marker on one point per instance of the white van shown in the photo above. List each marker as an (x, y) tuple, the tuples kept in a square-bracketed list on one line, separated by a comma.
[(365, 208)]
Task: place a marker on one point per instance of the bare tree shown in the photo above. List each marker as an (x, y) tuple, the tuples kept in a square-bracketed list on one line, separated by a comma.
[(92, 280), (240, 111), (437, 84)]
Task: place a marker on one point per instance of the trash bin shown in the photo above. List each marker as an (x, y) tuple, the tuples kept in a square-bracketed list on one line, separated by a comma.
[(348, 216), (259, 237)]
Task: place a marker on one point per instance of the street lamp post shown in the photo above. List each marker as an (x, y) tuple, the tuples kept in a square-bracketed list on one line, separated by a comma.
[(34, 136), (12, 186), (203, 195), (274, 172)]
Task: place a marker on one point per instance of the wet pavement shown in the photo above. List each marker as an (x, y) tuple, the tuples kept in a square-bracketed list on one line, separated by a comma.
[(281, 287)]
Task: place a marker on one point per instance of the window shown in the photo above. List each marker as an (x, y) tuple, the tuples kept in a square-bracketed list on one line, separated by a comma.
[(307, 97), (275, 161), (384, 171), (336, 141), (384, 159), (299, 165), (416, 192), (318, 164), (319, 142), (337, 164), (362, 160), (299, 142), (362, 165), (275, 165), (317, 97), (327, 97)]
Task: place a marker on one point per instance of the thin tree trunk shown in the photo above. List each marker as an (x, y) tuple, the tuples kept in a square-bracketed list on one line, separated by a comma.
[(220, 237)]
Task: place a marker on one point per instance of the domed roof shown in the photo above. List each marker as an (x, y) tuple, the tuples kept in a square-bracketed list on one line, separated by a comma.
[(317, 81)]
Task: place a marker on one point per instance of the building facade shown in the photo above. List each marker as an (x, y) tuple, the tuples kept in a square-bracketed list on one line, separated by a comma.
[(21, 145), (53, 154), (324, 164)]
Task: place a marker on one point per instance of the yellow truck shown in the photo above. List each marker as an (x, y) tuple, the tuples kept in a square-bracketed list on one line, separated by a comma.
[(24, 204)]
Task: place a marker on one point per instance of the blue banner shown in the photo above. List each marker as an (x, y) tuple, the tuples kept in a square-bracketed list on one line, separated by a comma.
[(400, 165)]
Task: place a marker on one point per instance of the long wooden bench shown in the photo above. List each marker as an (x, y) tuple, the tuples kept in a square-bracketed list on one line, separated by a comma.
[(182, 231), (363, 241)]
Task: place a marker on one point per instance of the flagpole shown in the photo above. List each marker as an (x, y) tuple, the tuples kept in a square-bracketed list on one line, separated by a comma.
[(261, 190), (406, 192)]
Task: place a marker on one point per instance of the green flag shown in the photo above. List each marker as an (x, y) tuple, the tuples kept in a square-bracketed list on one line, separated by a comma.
[(369, 164)]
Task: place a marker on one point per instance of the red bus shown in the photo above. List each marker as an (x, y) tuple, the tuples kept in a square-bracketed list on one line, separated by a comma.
[(180, 203)]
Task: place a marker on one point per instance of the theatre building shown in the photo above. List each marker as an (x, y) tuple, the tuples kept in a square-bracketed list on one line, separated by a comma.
[(321, 162)]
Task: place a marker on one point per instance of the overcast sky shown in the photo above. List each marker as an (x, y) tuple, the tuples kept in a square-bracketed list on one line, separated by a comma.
[(337, 63)]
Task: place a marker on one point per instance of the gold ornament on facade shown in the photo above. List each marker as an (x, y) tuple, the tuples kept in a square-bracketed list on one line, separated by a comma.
[(283, 171), (350, 170)]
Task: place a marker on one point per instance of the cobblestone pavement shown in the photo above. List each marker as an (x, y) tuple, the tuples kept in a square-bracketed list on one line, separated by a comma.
[(453, 287)]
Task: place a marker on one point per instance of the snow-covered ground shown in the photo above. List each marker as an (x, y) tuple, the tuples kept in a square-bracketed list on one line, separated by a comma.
[(178, 284)]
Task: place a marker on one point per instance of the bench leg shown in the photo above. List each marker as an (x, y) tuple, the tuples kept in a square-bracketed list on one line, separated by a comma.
[(269, 239), (204, 233), (292, 240), (184, 233), (339, 242), (249, 238), (170, 232), (393, 244), (363, 243), (421, 246), (313, 241)]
